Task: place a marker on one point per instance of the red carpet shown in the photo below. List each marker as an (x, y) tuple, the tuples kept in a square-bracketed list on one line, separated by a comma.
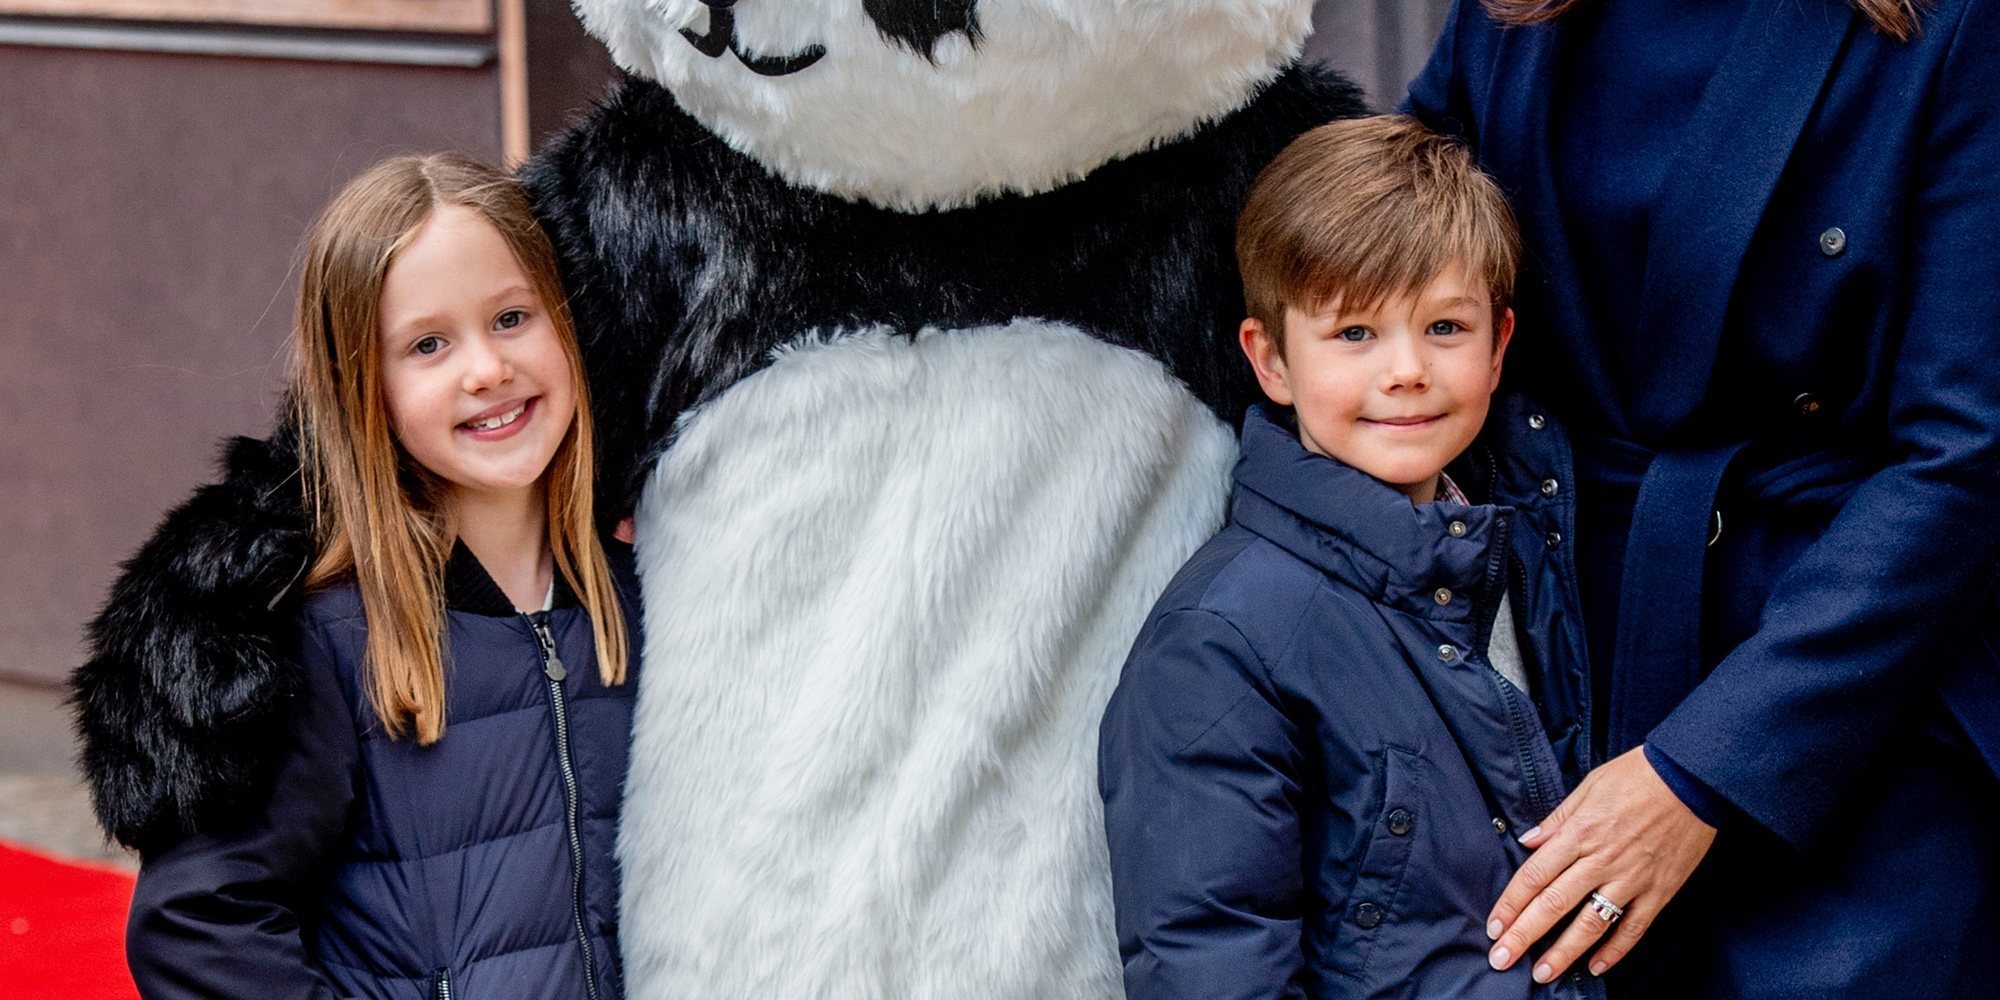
[(62, 928)]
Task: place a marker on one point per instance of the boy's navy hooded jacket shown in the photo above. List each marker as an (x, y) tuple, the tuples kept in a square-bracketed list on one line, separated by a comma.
[(481, 866), (1312, 775)]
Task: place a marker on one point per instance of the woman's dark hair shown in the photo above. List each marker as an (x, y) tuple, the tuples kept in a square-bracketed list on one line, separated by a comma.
[(1895, 18)]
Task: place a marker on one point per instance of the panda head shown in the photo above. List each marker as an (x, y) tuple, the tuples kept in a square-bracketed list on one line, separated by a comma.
[(919, 104)]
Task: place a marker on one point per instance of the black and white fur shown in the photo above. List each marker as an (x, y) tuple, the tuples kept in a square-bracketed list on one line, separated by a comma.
[(688, 262), (911, 452)]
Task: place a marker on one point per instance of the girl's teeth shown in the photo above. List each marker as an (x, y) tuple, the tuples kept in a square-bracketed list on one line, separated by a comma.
[(500, 421)]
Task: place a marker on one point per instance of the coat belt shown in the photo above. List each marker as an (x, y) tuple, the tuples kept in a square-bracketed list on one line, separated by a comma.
[(1657, 658)]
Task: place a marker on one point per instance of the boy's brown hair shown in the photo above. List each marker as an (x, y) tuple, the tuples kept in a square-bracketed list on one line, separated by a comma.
[(1365, 209)]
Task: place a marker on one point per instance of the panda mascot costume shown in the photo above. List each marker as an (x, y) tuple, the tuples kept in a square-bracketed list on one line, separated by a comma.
[(910, 327)]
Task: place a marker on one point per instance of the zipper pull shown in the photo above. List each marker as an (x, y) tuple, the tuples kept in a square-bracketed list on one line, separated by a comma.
[(552, 664)]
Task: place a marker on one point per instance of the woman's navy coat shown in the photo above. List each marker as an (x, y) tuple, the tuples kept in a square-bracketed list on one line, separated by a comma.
[(1312, 775), (382, 869), (1814, 356)]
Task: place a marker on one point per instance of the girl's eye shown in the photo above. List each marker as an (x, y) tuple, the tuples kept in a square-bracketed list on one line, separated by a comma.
[(1445, 328), (429, 343), (1354, 334), (511, 319)]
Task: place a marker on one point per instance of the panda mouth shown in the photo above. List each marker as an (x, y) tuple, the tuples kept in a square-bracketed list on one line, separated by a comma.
[(721, 37)]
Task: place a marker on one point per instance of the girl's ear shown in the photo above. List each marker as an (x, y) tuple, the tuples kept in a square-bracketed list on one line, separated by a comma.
[(1266, 360), (1502, 336)]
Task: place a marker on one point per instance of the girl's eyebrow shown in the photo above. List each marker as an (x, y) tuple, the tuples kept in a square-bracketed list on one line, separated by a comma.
[(410, 327)]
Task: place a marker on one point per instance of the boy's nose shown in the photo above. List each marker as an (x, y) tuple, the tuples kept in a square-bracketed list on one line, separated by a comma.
[(1409, 366)]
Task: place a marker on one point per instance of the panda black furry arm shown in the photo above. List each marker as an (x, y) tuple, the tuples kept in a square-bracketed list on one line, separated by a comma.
[(188, 674), (687, 262)]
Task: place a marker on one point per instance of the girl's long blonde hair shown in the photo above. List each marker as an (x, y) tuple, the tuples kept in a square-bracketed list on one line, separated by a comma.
[(1895, 18), (378, 515)]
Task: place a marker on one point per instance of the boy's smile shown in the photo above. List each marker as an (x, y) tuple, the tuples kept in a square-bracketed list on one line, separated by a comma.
[(1396, 391)]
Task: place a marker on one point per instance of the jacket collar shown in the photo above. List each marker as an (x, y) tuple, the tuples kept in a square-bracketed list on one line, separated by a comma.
[(1727, 166), (1357, 529), (468, 587)]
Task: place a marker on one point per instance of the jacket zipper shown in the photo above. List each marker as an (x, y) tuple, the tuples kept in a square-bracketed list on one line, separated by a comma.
[(1502, 571), (441, 984), (552, 669)]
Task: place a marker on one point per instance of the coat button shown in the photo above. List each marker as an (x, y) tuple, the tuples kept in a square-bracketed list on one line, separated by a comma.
[(1447, 652), (1806, 404), (1554, 539), (1549, 487), (1400, 821), (1499, 825), (1456, 529), (1833, 241), (1443, 595), (1368, 916), (1537, 421)]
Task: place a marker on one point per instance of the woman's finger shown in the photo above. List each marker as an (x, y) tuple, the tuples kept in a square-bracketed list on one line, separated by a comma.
[(1542, 912), (1625, 935), (1584, 931), (1550, 825), (1552, 856)]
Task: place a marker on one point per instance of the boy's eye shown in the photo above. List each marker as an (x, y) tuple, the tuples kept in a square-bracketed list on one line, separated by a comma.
[(429, 343), (1445, 327), (1354, 334), (511, 319)]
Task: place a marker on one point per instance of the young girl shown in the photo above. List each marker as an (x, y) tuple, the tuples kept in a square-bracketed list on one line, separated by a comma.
[(444, 814)]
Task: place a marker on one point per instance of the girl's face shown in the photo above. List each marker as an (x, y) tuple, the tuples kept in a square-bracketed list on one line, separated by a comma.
[(478, 388)]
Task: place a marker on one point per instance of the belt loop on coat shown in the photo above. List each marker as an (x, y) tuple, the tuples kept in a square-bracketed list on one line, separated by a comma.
[(1657, 659)]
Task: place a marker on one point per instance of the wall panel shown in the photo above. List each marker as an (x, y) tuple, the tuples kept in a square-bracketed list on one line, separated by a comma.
[(151, 207)]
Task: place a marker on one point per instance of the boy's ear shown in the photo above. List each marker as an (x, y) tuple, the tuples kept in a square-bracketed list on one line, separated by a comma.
[(1502, 336), (1262, 350)]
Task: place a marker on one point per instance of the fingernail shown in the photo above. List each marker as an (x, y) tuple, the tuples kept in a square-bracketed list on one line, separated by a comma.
[(1597, 968), (1543, 973), (1498, 958), (1493, 930), (1530, 835)]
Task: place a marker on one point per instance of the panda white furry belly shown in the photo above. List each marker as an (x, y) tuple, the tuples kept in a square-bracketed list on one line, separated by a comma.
[(888, 585)]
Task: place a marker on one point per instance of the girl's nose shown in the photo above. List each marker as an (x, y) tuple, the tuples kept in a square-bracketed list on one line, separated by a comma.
[(485, 367)]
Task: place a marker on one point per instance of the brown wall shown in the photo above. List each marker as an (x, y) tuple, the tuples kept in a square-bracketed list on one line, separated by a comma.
[(150, 210)]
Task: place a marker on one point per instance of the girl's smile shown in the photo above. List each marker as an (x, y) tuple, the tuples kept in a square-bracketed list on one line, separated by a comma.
[(478, 388), (498, 423)]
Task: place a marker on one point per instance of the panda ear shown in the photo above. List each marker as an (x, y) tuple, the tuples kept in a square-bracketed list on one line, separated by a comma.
[(919, 24)]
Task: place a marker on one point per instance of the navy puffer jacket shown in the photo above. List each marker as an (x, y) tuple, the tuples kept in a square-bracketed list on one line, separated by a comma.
[(1312, 775), (481, 866)]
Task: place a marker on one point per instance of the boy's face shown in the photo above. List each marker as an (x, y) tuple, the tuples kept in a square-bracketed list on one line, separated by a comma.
[(1396, 391)]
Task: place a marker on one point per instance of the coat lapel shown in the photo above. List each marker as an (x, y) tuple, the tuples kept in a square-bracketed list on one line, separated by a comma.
[(1715, 192), (1515, 144)]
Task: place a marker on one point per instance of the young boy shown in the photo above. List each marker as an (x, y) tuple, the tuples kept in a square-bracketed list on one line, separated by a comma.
[(1334, 723)]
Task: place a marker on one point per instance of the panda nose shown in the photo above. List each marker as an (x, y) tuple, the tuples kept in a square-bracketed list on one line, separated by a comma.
[(721, 35)]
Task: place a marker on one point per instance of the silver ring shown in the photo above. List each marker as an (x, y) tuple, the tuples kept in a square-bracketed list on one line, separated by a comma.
[(1606, 910)]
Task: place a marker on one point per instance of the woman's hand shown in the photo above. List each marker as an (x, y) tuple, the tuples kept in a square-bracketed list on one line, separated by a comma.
[(1622, 833)]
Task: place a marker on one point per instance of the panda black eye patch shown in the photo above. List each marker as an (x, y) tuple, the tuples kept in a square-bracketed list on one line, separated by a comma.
[(919, 24)]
